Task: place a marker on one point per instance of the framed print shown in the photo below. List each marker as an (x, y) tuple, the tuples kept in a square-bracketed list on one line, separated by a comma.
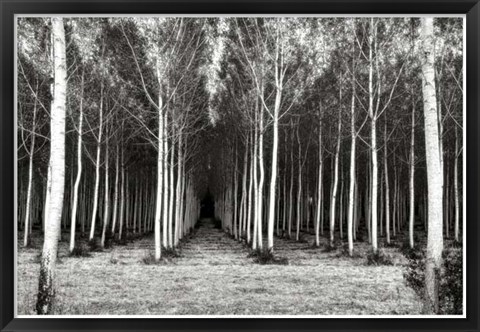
[(258, 165)]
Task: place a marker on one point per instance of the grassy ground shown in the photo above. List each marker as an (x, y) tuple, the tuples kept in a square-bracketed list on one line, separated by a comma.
[(215, 276)]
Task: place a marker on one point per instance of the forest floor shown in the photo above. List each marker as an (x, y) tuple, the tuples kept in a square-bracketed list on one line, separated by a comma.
[(214, 275)]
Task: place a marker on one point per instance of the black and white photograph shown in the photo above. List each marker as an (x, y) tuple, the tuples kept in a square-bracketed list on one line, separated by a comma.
[(236, 166)]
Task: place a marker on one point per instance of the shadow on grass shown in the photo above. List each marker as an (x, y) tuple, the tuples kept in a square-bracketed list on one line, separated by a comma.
[(411, 253), (80, 251), (266, 257), (331, 247), (344, 253), (378, 258), (94, 245), (171, 253), (168, 256)]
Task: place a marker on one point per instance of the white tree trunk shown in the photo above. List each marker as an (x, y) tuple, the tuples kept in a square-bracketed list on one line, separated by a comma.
[(455, 188), (235, 196), (273, 179), (79, 170), (136, 207), (395, 199), (411, 222), (355, 212), (335, 181), (250, 188), (341, 199), (171, 190), (178, 191), (284, 207), (374, 193), (27, 224), (165, 182), (184, 229), (47, 193), (46, 291), (243, 203), (97, 169), (351, 191), (434, 170), (260, 181), (290, 195), (255, 185), (284, 187), (122, 195), (446, 199), (115, 194), (106, 209), (160, 162), (84, 207), (127, 204), (387, 190), (299, 189)]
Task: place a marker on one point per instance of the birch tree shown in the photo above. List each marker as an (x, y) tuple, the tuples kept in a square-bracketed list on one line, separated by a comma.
[(434, 174), (46, 288)]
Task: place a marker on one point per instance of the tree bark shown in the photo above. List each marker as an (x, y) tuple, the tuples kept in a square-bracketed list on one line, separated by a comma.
[(411, 222), (122, 194), (319, 183), (255, 181), (250, 188), (335, 178), (106, 210), (299, 189), (351, 191), (97, 169), (46, 290), (278, 99), (373, 117), (178, 191), (171, 189), (290, 195), (79, 169), (244, 191), (456, 189), (261, 180), (434, 170), (28, 204), (235, 193), (115, 194), (160, 162), (166, 181), (387, 189)]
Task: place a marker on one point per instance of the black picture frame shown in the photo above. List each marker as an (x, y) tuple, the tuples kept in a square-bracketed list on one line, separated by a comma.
[(8, 8)]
